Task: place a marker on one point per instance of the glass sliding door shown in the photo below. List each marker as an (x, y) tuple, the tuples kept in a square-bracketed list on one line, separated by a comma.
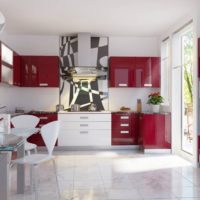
[(187, 47)]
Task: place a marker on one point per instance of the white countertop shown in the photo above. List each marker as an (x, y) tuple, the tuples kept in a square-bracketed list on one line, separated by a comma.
[(85, 112)]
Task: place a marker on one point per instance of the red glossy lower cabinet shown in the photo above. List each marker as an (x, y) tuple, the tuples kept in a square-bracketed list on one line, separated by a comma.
[(44, 119), (124, 128), (155, 131)]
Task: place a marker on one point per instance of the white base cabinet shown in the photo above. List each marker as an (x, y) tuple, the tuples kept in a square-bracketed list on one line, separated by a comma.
[(78, 129)]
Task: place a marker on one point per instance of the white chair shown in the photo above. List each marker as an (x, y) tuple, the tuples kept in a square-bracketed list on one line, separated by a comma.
[(26, 121), (49, 134)]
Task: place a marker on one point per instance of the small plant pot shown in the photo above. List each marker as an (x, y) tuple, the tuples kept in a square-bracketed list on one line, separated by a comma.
[(155, 108)]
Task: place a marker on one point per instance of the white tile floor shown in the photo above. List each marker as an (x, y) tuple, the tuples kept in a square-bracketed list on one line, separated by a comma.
[(106, 175)]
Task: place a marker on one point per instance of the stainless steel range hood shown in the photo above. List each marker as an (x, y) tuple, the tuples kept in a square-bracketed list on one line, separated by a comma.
[(87, 74), (85, 70)]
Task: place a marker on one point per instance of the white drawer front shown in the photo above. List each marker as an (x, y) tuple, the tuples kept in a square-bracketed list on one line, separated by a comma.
[(86, 132), (85, 125), (84, 117), (84, 139)]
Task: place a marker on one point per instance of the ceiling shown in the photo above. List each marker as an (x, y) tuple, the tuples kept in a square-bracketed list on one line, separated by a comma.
[(104, 17)]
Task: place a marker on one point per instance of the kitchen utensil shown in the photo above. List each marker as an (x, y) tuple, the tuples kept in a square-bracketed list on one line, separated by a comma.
[(59, 107), (93, 107), (75, 108)]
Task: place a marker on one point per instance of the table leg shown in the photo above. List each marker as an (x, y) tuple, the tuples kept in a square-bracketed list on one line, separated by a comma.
[(20, 171), (4, 175)]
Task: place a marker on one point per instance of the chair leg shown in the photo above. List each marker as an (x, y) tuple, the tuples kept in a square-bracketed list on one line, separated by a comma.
[(31, 178), (28, 152), (35, 150), (35, 178), (55, 171)]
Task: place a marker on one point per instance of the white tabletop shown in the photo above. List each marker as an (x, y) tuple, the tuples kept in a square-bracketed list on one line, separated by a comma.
[(24, 132)]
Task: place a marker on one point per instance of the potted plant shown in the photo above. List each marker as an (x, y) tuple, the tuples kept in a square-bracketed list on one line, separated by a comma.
[(155, 99)]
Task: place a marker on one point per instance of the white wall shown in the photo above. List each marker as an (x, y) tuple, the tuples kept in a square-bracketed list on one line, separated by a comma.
[(134, 46), (32, 44), (128, 97), (28, 98)]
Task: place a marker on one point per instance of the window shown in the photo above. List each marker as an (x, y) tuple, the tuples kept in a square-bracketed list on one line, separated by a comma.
[(165, 70)]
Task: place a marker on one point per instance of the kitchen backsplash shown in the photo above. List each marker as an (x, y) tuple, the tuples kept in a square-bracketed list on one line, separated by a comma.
[(83, 92)]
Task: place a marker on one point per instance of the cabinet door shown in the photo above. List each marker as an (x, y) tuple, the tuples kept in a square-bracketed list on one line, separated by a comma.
[(29, 71), (121, 71), (17, 70), (149, 130), (155, 71), (48, 71), (143, 72)]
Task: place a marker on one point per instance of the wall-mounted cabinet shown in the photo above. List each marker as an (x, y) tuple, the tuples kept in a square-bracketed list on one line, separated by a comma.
[(40, 71), (134, 72), (6, 64)]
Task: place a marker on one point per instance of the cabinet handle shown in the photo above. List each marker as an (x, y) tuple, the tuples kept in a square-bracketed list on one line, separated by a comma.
[(83, 117), (124, 117), (44, 84), (122, 84), (83, 125), (83, 132), (43, 117), (124, 132), (124, 124), (148, 85)]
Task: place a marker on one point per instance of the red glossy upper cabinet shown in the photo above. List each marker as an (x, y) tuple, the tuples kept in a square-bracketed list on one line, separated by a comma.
[(121, 71), (16, 70), (147, 72), (155, 71), (29, 71), (48, 71)]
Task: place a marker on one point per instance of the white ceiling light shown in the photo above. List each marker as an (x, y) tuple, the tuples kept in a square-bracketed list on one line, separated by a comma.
[(2, 22)]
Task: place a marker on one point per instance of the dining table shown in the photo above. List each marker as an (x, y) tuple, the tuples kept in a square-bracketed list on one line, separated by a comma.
[(9, 142)]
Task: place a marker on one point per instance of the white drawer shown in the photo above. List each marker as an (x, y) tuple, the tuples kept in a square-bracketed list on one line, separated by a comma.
[(85, 125), (76, 139), (84, 117), (86, 132)]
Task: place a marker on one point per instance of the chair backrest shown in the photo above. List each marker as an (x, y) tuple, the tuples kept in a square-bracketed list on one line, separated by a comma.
[(49, 134), (25, 121)]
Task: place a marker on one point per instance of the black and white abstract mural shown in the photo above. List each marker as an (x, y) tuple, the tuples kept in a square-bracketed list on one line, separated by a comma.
[(83, 91)]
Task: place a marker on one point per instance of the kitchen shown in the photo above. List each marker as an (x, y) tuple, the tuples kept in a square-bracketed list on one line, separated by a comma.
[(94, 85)]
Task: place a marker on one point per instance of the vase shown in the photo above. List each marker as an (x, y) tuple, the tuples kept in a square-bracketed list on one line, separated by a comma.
[(155, 108)]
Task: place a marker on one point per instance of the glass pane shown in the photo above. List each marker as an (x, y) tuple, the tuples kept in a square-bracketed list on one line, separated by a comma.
[(187, 92)]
